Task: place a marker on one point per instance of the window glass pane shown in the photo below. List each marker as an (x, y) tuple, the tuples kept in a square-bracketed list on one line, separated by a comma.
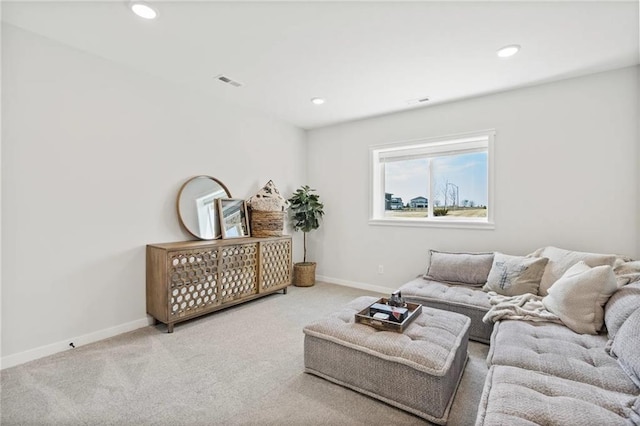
[(441, 181), (406, 184), (460, 185)]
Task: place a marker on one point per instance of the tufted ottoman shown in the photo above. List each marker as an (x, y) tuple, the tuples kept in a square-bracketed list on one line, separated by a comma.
[(418, 370)]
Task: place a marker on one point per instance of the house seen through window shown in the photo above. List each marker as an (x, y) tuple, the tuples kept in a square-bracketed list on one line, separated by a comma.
[(433, 181)]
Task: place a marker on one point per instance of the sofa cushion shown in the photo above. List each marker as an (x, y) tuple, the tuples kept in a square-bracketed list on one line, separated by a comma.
[(459, 268), (561, 260), (626, 346), (579, 295), (556, 350), (514, 275), (620, 305), (514, 397), (469, 301)]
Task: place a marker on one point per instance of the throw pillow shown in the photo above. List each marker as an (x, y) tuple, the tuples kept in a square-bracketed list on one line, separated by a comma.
[(515, 275), (621, 304), (459, 268), (561, 260), (579, 295), (626, 347), (268, 199)]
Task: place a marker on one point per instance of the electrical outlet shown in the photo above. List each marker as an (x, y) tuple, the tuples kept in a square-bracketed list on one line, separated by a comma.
[(381, 269)]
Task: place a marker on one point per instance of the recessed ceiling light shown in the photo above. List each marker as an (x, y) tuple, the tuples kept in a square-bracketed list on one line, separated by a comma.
[(143, 10), (507, 51), (317, 101)]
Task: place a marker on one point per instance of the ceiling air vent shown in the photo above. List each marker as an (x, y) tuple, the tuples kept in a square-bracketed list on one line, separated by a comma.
[(418, 101), (227, 80)]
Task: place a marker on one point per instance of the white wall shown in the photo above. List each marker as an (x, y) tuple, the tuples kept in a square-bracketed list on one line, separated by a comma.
[(0, 185), (93, 155), (566, 173), (637, 178)]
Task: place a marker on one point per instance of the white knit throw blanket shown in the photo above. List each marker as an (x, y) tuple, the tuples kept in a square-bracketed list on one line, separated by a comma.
[(527, 307), (626, 271)]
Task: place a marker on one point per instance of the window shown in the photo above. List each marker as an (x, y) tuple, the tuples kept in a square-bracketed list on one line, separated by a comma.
[(443, 181)]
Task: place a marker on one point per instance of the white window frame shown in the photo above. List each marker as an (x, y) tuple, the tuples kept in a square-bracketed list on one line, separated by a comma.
[(443, 145)]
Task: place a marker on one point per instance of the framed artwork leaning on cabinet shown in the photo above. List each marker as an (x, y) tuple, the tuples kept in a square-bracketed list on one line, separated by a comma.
[(233, 218)]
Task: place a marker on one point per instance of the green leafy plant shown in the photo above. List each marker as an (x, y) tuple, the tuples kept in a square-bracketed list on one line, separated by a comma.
[(440, 212), (305, 212)]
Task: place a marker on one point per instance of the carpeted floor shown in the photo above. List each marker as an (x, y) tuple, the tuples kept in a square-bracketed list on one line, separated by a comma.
[(239, 366)]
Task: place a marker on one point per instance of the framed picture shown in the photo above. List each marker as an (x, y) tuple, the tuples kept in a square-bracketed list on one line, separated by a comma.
[(233, 218)]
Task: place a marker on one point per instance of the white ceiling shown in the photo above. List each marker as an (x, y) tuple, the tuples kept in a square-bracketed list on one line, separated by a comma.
[(365, 58)]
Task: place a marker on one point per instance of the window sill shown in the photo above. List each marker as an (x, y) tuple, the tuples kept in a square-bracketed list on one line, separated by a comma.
[(433, 223)]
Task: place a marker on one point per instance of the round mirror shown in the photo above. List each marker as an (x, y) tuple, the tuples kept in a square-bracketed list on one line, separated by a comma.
[(197, 206)]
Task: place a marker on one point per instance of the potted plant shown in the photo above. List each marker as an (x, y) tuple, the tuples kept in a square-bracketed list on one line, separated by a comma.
[(305, 212)]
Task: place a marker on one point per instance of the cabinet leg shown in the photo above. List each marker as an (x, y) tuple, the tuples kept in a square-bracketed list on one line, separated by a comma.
[(284, 290), (170, 328)]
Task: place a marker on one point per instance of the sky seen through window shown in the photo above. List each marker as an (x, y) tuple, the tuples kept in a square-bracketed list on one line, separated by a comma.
[(468, 172)]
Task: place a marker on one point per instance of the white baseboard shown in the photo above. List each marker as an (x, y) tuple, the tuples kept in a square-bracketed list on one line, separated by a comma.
[(355, 284), (53, 348)]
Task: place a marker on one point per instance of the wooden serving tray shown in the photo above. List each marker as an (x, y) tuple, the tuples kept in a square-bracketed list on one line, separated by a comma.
[(363, 317)]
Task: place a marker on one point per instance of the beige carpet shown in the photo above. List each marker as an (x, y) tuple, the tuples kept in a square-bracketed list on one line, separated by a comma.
[(239, 366)]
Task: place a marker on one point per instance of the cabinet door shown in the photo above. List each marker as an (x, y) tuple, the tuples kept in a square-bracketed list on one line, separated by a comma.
[(275, 264), (237, 273), (193, 282)]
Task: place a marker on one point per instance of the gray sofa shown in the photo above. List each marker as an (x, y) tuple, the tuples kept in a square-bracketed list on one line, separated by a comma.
[(544, 372)]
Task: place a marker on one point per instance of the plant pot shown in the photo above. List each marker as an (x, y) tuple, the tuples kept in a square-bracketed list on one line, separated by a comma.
[(304, 274)]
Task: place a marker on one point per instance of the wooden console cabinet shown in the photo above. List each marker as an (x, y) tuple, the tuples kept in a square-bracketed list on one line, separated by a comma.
[(193, 278)]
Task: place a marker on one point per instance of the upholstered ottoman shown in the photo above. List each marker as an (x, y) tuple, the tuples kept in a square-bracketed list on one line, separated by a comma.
[(418, 370)]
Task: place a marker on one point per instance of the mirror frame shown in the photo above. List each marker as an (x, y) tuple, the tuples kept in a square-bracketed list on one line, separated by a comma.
[(216, 220), (244, 217)]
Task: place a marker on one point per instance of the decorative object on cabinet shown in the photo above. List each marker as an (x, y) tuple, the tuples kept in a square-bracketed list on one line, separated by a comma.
[(266, 224), (305, 210), (193, 278), (196, 205), (233, 218), (267, 209), (268, 199)]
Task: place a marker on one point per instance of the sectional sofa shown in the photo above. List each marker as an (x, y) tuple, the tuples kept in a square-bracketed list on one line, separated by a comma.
[(567, 351)]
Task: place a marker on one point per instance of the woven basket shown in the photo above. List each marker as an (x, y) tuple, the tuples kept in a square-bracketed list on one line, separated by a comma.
[(304, 274), (266, 224)]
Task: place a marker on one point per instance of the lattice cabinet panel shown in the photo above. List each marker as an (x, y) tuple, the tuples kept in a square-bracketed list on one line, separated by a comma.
[(192, 278), (276, 265), (238, 271), (193, 281)]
